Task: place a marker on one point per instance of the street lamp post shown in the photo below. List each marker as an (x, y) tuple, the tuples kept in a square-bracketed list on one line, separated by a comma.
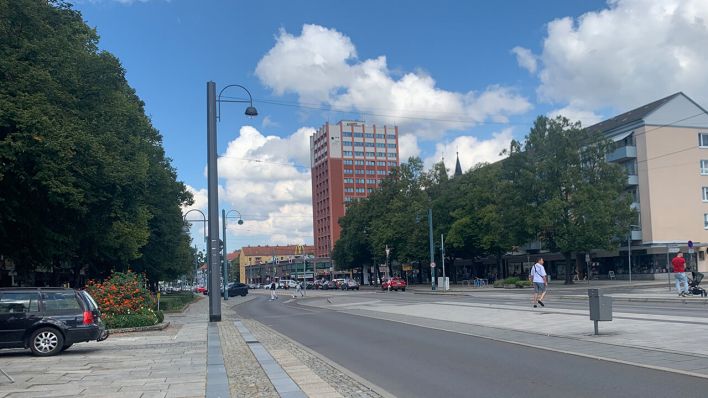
[(225, 270), (432, 250), (204, 220), (213, 191)]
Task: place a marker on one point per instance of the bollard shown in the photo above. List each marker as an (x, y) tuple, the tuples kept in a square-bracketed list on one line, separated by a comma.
[(600, 307)]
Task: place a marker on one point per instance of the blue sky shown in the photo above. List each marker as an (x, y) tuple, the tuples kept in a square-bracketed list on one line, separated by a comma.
[(453, 75)]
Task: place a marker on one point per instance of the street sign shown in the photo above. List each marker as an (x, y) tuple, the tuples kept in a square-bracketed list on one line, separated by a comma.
[(674, 249), (690, 244), (587, 257), (432, 265)]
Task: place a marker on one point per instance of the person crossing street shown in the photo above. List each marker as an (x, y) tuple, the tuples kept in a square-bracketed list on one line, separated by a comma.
[(538, 276)]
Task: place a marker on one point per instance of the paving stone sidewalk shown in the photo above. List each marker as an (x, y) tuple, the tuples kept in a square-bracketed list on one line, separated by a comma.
[(167, 364)]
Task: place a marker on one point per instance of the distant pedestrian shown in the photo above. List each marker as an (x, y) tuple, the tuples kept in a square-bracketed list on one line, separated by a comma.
[(680, 274), (538, 276), (299, 289), (273, 296)]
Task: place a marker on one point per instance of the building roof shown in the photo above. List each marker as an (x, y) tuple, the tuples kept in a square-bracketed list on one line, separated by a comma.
[(234, 254), (458, 168), (267, 251), (632, 116)]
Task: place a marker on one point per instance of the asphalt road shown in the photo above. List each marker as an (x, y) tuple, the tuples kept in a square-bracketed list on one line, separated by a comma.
[(412, 361)]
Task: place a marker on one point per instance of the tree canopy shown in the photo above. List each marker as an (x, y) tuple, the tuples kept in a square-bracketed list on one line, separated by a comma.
[(85, 186), (554, 187)]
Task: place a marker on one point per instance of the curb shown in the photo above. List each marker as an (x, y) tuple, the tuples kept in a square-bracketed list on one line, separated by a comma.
[(159, 326), (703, 301)]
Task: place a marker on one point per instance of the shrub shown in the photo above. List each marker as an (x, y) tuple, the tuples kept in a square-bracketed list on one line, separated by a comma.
[(175, 302), (144, 317), (124, 300)]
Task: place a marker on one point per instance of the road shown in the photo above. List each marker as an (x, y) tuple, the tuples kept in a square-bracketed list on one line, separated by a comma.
[(412, 361)]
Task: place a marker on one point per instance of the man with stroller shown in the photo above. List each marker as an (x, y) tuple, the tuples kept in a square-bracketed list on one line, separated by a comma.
[(679, 264)]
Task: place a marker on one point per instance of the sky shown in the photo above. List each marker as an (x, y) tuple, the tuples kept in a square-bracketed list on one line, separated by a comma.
[(456, 78)]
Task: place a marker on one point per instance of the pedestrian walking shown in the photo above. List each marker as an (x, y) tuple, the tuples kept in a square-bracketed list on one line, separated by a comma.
[(273, 296), (538, 276), (298, 289), (679, 264)]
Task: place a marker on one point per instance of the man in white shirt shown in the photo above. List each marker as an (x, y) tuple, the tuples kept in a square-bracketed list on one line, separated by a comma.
[(538, 276)]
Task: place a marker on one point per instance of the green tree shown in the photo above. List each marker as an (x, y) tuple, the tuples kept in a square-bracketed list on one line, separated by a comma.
[(575, 199), (84, 184)]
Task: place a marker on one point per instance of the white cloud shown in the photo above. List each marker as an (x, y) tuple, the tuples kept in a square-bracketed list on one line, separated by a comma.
[(201, 199), (525, 58), (268, 122), (631, 53), (587, 118), (408, 147), (321, 66), (471, 150), (267, 179)]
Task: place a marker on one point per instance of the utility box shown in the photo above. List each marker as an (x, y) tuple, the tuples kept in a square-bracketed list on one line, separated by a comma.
[(600, 306)]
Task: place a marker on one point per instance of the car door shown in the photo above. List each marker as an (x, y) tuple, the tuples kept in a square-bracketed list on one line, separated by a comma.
[(18, 312)]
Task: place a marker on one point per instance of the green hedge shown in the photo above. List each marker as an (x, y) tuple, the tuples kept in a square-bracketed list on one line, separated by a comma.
[(512, 281), (144, 317), (175, 301)]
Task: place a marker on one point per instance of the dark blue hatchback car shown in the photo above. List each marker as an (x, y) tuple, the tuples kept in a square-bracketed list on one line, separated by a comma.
[(48, 320)]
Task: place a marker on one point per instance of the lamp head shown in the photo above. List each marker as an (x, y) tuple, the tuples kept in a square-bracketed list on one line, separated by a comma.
[(251, 111), (240, 221)]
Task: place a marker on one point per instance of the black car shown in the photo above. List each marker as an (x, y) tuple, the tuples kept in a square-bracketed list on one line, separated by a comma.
[(48, 320), (237, 289)]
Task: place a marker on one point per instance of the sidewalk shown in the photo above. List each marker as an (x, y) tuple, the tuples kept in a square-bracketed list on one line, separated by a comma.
[(642, 291), (672, 343), (190, 358)]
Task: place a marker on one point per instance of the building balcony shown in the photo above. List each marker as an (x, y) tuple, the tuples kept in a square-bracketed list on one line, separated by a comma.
[(636, 235), (632, 179), (623, 153)]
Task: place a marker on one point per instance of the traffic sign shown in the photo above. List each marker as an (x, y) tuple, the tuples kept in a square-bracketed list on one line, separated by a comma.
[(690, 244), (432, 265)]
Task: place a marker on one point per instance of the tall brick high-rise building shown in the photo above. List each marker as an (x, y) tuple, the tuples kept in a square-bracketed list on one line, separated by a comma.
[(348, 160)]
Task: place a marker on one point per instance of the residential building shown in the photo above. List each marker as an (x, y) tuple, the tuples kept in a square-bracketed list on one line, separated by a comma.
[(663, 146), (348, 161)]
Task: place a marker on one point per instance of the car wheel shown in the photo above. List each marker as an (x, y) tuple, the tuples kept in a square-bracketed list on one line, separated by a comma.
[(46, 342), (66, 346), (244, 294), (357, 288), (403, 289)]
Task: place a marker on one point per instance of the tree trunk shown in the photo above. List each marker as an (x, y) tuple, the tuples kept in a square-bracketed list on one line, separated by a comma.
[(569, 265)]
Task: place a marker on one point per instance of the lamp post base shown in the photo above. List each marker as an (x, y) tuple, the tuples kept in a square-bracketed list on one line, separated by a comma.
[(214, 318)]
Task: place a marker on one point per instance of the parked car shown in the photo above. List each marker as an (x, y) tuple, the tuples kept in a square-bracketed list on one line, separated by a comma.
[(237, 289), (394, 283), (200, 289), (350, 284), (339, 282), (48, 320), (326, 285), (287, 284)]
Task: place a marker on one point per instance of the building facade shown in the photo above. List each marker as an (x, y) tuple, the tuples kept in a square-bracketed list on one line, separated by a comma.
[(252, 259), (663, 146), (348, 160)]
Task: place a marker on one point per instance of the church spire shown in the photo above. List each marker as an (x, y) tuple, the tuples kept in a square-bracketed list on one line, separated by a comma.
[(458, 168)]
